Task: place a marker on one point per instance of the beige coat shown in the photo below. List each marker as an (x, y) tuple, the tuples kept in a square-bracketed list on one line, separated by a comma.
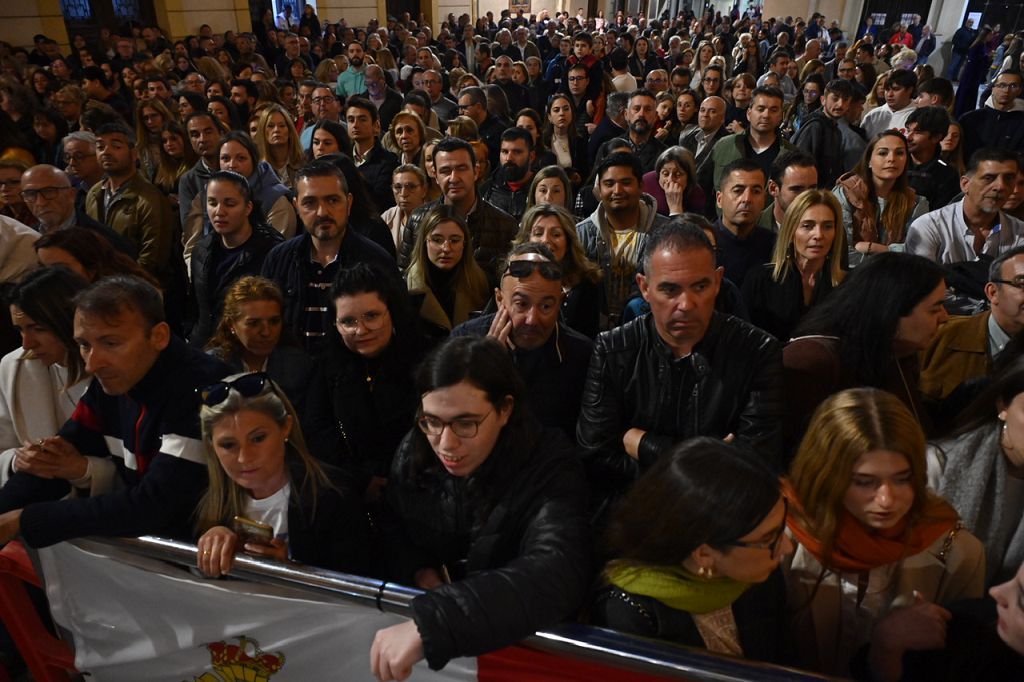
[(830, 624)]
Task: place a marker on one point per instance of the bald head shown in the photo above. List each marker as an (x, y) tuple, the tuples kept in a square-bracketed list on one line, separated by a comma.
[(49, 195), (712, 114)]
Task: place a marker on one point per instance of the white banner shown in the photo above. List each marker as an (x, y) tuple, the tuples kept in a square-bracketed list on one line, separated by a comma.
[(141, 619)]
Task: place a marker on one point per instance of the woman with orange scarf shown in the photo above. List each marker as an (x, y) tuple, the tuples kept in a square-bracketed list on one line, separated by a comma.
[(875, 549)]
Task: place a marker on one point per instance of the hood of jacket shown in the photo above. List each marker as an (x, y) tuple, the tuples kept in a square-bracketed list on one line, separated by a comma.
[(648, 211)]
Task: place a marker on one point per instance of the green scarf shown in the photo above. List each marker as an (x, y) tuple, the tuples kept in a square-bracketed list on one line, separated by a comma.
[(677, 587)]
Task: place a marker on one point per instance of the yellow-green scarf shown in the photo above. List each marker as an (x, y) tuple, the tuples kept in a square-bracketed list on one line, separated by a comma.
[(677, 587)]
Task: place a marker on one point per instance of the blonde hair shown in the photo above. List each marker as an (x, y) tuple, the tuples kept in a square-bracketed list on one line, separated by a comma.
[(295, 157), (783, 256), (468, 275), (846, 426), (576, 267), (224, 498)]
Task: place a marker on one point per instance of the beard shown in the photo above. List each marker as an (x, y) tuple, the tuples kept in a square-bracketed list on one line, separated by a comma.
[(514, 172), (355, 61), (640, 126)]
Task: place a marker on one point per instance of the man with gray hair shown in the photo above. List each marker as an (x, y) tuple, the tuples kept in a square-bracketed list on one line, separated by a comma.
[(611, 126), (82, 164), (50, 196)]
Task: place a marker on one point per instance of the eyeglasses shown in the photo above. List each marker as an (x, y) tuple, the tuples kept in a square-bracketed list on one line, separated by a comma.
[(77, 157), (524, 268), (776, 540), (463, 107), (323, 100), (1016, 284), (372, 321), (812, 93), (398, 187), (247, 385), (577, 79), (29, 196), (463, 428), (1006, 86), (439, 241), (711, 80)]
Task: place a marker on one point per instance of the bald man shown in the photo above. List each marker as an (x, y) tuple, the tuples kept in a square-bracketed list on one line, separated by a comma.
[(51, 198), (710, 129)]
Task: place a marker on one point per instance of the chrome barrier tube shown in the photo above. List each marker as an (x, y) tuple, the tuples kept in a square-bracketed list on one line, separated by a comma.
[(571, 640)]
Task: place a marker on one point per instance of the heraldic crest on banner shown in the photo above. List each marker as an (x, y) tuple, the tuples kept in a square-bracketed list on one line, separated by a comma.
[(242, 662)]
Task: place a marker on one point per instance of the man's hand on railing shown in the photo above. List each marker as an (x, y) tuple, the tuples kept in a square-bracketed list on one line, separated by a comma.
[(395, 651)]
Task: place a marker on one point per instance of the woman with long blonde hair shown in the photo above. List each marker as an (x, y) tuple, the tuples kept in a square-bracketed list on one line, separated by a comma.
[(267, 495), (278, 143), (806, 266), (875, 548)]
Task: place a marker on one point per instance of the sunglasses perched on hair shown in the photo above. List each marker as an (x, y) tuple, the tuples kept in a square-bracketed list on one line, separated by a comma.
[(524, 268), (247, 385)]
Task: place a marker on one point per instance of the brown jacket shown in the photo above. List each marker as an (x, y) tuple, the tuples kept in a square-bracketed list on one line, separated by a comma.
[(959, 352)]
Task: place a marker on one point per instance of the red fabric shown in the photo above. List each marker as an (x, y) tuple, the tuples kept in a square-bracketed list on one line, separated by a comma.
[(520, 664), (859, 548), (84, 415)]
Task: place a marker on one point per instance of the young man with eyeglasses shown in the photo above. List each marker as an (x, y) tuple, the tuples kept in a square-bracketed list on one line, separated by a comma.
[(964, 346), (325, 107), (1000, 123), (141, 411), (551, 357)]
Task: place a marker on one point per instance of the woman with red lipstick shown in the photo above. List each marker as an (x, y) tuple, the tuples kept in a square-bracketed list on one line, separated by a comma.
[(489, 514), (806, 265), (874, 545), (443, 274)]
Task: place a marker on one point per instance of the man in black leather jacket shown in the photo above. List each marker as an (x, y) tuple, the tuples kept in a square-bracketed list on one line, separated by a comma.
[(509, 185), (680, 371)]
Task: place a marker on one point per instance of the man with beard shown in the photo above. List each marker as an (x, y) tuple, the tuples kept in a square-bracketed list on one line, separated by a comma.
[(641, 115), (351, 81), (508, 187), (553, 364), (305, 266), (244, 94), (615, 232), (742, 245), (974, 226), (819, 134)]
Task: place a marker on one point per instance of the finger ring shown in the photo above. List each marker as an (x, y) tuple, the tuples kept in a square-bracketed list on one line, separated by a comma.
[(206, 552)]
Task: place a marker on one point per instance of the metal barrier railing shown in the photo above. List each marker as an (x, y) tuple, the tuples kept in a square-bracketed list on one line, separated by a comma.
[(571, 640)]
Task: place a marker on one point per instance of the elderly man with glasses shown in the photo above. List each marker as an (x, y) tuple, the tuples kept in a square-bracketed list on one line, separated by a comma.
[(49, 194)]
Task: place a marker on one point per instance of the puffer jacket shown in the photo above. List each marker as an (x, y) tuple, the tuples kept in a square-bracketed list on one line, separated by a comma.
[(521, 564), (730, 383), (491, 228)]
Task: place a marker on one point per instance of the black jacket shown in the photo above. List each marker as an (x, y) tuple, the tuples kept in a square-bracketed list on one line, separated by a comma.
[(554, 373), (513, 535), (490, 133), (730, 383), (819, 136), (988, 127), (491, 228), (208, 291), (777, 307), (935, 181), (376, 171), (287, 263), (760, 615), (496, 191), (606, 130)]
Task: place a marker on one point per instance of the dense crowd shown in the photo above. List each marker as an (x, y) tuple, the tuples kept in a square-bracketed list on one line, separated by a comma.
[(698, 328)]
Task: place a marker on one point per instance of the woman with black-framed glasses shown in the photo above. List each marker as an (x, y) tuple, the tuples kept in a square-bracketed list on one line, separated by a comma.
[(697, 543), (267, 495), (489, 514)]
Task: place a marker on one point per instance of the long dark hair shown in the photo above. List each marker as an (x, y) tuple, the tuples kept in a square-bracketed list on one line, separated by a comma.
[(483, 363), (47, 296), (865, 311), (704, 491)]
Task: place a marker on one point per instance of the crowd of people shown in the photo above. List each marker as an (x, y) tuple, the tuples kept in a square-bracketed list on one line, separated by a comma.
[(705, 329)]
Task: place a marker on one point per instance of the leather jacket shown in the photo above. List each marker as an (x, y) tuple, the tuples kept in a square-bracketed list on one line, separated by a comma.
[(730, 383)]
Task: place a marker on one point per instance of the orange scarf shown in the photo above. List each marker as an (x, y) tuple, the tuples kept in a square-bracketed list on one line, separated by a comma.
[(859, 548)]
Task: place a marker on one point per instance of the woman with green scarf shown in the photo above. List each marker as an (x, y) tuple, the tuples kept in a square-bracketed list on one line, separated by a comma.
[(698, 541)]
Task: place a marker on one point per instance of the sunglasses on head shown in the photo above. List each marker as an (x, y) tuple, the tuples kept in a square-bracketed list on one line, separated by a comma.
[(524, 268), (247, 385)]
